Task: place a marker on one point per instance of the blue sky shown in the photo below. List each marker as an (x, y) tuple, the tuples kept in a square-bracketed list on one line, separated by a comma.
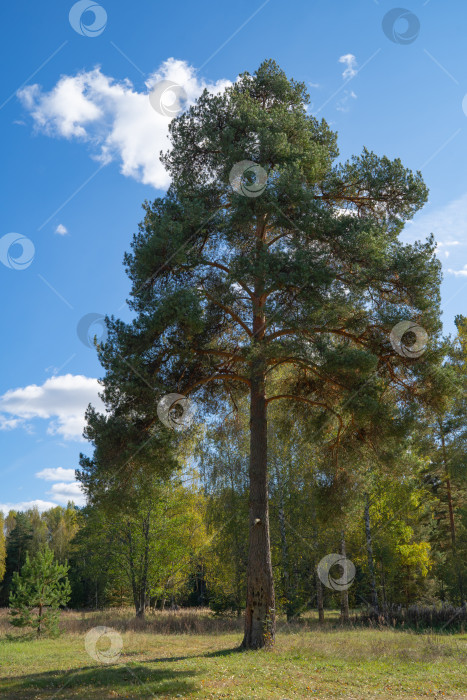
[(79, 152)]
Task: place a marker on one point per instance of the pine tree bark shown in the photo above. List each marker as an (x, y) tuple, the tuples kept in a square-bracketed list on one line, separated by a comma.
[(260, 605), (369, 550), (260, 620)]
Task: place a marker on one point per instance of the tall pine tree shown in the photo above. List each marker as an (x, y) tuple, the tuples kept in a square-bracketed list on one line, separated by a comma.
[(267, 252)]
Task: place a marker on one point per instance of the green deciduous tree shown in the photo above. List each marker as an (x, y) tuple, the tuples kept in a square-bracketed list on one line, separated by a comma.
[(223, 456), (143, 547), (308, 274), (38, 592)]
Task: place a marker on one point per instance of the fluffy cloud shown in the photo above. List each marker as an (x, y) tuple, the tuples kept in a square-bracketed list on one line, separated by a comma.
[(26, 505), (61, 400), (63, 492), (350, 61), (61, 230), (116, 120), (52, 474), (459, 273)]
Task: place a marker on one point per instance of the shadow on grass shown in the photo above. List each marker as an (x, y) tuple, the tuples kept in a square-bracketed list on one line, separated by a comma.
[(208, 655), (133, 680)]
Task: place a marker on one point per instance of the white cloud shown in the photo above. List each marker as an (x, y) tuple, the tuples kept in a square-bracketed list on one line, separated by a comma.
[(64, 492), (459, 273), (52, 474), (66, 110), (350, 61), (10, 423), (26, 505), (115, 119), (61, 230), (61, 400)]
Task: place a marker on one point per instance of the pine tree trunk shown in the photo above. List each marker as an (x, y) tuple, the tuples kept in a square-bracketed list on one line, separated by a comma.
[(260, 607), (369, 549), (344, 594)]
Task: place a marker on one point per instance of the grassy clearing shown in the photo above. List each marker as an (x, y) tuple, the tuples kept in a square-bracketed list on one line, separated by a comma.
[(191, 655)]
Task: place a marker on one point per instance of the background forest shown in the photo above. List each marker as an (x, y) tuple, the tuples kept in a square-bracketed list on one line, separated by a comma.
[(184, 542)]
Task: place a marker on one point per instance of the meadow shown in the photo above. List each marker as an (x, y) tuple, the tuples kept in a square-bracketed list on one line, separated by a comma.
[(192, 654)]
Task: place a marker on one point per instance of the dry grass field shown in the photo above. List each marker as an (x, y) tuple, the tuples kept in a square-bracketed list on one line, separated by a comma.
[(191, 654)]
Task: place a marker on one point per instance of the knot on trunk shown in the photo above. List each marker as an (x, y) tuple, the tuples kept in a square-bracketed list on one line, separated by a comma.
[(257, 521)]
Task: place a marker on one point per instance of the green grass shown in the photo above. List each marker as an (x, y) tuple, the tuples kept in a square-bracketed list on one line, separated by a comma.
[(307, 662)]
